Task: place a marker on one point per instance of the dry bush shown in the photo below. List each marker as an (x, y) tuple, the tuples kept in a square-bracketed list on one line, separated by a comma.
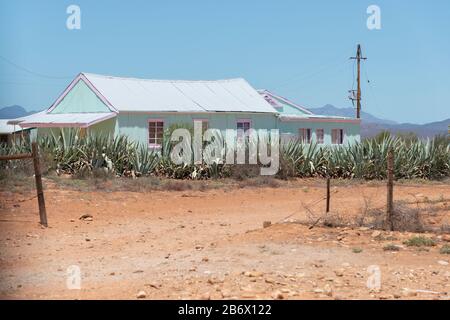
[(407, 218), (404, 217), (334, 220)]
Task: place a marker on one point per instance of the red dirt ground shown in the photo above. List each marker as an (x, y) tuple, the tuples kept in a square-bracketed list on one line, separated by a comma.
[(212, 245)]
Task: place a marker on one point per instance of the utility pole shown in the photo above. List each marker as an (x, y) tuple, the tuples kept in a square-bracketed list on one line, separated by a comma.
[(358, 58)]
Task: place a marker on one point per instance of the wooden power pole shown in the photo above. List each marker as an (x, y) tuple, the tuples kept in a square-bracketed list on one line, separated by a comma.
[(358, 58)]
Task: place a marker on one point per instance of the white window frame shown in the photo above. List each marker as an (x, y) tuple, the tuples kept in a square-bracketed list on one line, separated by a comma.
[(155, 145)]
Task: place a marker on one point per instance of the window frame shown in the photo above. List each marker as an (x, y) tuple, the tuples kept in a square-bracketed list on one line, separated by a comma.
[(250, 125), (302, 137), (342, 137), (322, 140), (155, 145)]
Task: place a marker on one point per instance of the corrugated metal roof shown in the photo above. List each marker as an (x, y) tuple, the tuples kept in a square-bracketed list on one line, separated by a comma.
[(43, 119), (130, 94), (309, 117), (270, 96), (21, 119), (301, 117), (6, 128)]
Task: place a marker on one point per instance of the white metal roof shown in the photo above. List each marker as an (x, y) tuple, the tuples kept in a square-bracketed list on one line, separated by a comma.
[(43, 119), (308, 116), (267, 94), (131, 94), (6, 128), (315, 117)]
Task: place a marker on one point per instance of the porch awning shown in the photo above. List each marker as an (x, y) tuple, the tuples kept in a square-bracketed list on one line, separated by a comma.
[(62, 120)]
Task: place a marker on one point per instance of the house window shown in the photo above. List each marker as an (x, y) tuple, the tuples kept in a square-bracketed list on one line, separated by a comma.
[(304, 135), (319, 135), (205, 124), (243, 125), (337, 136), (155, 133)]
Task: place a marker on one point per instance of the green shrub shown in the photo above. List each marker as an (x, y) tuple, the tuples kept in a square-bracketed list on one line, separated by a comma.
[(420, 241), (445, 249), (391, 247)]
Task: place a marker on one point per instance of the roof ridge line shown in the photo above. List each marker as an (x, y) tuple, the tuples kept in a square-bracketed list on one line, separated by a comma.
[(160, 80)]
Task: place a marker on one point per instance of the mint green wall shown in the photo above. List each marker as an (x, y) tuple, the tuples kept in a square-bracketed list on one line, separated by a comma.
[(288, 109), (135, 125), (79, 100), (351, 130)]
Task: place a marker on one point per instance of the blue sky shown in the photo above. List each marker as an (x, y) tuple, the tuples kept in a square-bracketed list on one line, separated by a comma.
[(298, 49)]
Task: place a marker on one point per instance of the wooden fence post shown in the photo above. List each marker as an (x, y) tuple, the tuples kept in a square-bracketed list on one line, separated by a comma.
[(328, 195), (390, 189), (39, 189)]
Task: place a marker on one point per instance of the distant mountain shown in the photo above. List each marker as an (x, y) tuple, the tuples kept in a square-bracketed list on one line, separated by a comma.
[(427, 130), (13, 112), (331, 110), (371, 125)]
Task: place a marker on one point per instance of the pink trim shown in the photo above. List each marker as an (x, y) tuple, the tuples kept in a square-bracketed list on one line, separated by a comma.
[(287, 101), (155, 120), (99, 95), (356, 121), (64, 93), (245, 121), (74, 82)]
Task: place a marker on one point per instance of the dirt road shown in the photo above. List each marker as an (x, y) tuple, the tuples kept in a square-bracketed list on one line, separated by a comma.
[(211, 245)]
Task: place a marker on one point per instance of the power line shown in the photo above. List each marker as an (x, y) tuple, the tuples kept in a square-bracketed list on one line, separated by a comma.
[(28, 83), (302, 77), (310, 75), (33, 72)]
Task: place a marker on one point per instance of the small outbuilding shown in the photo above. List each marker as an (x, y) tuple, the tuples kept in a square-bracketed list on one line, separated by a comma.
[(13, 133)]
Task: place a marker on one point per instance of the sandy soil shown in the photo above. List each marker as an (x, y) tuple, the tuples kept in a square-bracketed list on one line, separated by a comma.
[(212, 245)]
